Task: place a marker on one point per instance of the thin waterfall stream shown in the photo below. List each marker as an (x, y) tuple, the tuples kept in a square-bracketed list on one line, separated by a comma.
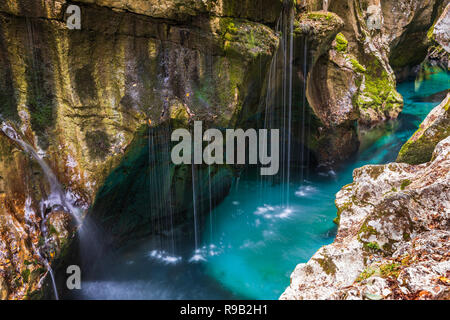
[(56, 196)]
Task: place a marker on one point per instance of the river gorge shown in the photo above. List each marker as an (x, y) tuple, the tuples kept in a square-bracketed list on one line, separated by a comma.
[(358, 91)]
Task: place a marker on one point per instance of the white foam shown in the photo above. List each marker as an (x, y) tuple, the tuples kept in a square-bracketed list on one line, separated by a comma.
[(164, 257), (305, 191), (270, 212)]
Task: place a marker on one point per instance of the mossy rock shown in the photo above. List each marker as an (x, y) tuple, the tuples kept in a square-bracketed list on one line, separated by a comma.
[(435, 128)]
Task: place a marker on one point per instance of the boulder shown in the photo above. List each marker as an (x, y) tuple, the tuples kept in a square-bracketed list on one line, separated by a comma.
[(436, 127)]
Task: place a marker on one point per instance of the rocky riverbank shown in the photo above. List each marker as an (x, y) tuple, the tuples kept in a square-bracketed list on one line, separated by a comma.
[(393, 238)]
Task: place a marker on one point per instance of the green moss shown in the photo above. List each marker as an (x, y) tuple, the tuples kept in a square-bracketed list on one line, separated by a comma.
[(419, 149), (320, 15), (379, 91), (341, 43), (390, 270), (357, 67), (327, 265), (404, 184), (344, 207), (387, 270), (368, 230), (42, 118), (25, 275), (366, 274), (231, 28), (375, 171), (372, 246)]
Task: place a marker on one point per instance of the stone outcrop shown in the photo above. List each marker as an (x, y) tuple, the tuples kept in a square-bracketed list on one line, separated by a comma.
[(376, 98), (436, 127), (393, 237), (406, 24), (441, 32)]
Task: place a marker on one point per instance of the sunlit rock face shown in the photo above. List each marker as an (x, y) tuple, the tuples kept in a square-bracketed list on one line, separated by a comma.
[(84, 99), (84, 93), (260, 10), (441, 32), (393, 237)]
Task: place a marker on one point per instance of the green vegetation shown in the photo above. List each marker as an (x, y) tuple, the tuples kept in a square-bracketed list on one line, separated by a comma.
[(327, 265), (366, 274), (341, 43), (25, 275), (357, 67), (320, 15), (388, 270), (404, 184), (373, 246)]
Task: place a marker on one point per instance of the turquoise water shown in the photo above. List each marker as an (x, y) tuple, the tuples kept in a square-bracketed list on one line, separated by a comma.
[(255, 242), (260, 242)]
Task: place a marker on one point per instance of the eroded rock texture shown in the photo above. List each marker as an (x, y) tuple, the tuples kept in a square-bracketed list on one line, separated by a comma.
[(393, 238)]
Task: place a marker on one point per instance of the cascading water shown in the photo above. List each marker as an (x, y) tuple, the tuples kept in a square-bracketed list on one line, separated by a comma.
[(56, 197), (160, 194), (279, 107)]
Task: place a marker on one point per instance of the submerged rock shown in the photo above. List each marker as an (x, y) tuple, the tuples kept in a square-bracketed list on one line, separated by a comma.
[(393, 237)]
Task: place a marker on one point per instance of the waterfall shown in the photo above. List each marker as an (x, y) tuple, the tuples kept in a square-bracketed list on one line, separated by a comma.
[(210, 205), (278, 102), (56, 196), (285, 104), (325, 5), (160, 193), (305, 55)]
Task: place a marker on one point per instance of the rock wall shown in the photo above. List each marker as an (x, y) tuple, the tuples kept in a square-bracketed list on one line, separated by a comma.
[(28, 240)]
